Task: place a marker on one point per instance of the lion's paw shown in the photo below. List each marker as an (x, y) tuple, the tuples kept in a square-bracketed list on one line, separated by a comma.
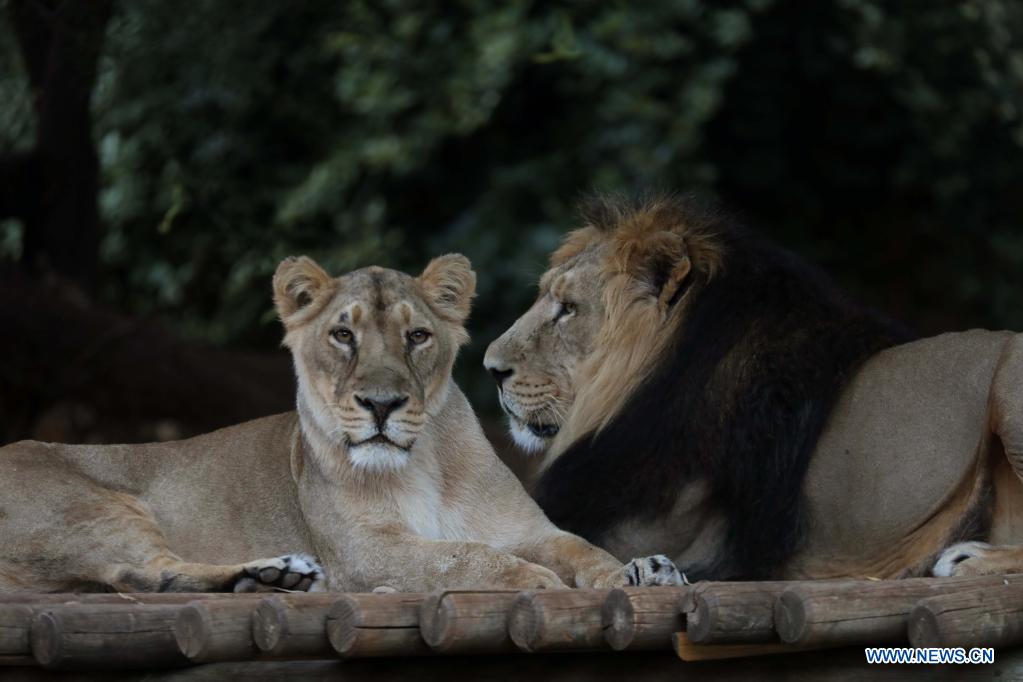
[(652, 570), (964, 558), (296, 572)]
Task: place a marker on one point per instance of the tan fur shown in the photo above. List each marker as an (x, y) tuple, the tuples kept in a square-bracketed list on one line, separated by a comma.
[(911, 453), (574, 243), (912, 554), (414, 499)]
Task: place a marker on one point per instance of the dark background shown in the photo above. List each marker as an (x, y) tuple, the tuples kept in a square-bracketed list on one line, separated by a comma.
[(157, 160)]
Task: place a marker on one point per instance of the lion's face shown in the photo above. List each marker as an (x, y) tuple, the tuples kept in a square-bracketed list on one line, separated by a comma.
[(614, 290), (536, 362), (373, 351)]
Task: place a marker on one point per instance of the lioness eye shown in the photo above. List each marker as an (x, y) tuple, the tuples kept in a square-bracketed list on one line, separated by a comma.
[(564, 308), (343, 335), (418, 337)]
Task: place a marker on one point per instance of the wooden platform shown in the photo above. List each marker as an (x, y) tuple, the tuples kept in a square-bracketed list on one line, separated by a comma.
[(788, 630), (838, 665)]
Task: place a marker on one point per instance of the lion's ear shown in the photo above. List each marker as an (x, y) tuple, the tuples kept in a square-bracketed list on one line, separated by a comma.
[(298, 283), (449, 285), (670, 278), (659, 261)]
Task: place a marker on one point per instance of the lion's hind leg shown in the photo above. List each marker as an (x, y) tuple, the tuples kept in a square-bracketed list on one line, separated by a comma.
[(981, 558), (138, 559), (1007, 402), (168, 573)]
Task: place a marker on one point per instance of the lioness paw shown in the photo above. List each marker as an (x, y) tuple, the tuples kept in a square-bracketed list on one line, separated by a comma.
[(524, 575), (296, 572), (652, 570)]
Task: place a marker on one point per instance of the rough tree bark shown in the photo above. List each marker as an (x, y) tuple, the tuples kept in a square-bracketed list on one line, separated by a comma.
[(54, 189)]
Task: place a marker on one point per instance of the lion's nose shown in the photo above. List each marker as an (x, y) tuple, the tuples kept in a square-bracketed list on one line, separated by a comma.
[(496, 365), (500, 375), (380, 408)]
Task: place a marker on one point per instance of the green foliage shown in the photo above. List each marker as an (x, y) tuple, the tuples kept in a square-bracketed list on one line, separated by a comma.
[(883, 139), (17, 125)]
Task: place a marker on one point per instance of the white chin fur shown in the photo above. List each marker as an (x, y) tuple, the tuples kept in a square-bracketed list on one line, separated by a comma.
[(527, 441), (377, 457)]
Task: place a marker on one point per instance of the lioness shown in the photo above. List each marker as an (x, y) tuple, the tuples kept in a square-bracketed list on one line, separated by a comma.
[(383, 473), (697, 389)]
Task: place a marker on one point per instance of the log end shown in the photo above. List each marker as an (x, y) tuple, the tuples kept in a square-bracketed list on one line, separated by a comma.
[(923, 627), (435, 620), (526, 622), (618, 617), (700, 620), (790, 617), (343, 621), (192, 630), (269, 624), (46, 640)]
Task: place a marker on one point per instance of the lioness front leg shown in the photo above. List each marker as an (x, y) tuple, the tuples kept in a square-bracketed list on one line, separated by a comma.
[(583, 565), (409, 563)]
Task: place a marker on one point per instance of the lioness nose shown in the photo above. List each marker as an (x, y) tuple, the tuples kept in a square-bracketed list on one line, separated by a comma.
[(500, 375), (380, 408)]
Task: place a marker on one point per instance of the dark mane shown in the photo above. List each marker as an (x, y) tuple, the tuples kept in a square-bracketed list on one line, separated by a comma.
[(739, 400)]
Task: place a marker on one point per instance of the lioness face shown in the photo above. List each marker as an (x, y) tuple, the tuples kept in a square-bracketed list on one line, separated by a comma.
[(536, 362), (373, 351)]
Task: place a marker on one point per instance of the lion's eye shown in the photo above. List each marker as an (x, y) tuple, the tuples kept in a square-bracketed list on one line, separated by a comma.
[(564, 309), (343, 335), (418, 337)]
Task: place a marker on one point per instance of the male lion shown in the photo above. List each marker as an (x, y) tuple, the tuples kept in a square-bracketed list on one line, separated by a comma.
[(383, 473), (701, 391)]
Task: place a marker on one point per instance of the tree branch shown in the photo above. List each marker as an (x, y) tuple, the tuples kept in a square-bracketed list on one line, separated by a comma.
[(18, 181), (32, 21), (61, 41)]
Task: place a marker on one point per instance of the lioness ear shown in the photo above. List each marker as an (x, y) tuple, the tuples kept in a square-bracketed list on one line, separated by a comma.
[(298, 283), (449, 285)]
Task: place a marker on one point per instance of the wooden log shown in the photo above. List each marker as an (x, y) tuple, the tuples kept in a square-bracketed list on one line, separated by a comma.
[(216, 630), (18, 610), (860, 612), (978, 617), (370, 625), (15, 631), (558, 620), (688, 651), (741, 613), (467, 622), (106, 636), (643, 618), (293, 625)]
